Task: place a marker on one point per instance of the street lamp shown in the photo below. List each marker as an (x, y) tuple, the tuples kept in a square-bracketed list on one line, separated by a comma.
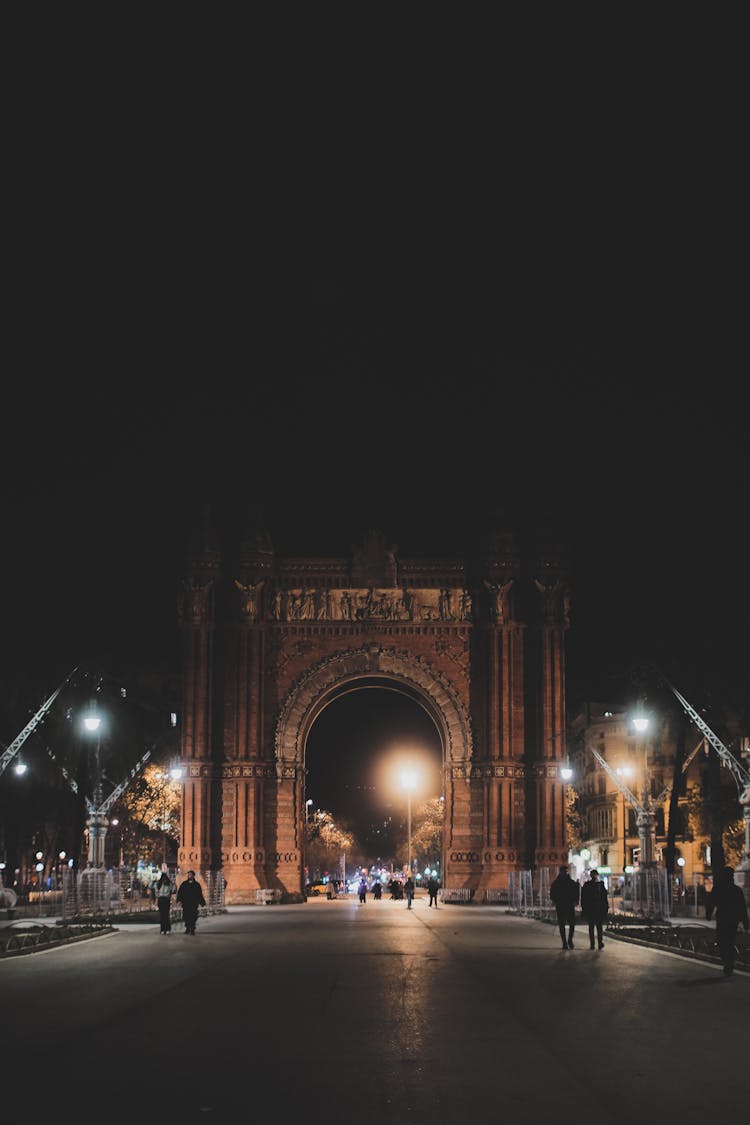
[(624, 771), (646, 817), (97, 821), (39, 872), (175, 774), (308, 806), (409, 783)]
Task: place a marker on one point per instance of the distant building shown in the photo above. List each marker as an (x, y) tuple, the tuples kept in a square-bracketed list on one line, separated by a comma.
[(605, 833)]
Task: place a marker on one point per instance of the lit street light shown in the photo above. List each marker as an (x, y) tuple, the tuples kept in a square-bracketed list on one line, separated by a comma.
[(681, 876), (97, 822), (39, 873), (646, 817), (167, 780), (409, 783), (624, 771)]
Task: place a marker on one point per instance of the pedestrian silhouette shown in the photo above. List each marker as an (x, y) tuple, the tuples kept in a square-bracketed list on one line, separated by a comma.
[(432, 888), (409, 890), (727, 901), (565, 893), (191, 898), (164, 889), (362, 890), (594, 906)]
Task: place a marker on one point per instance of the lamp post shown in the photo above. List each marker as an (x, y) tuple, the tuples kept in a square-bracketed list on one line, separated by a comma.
[(172, 776), (624, 771), (409, 783), (566, 773), (39, 873), (97, 822), (646, 818), (681, 876), (164, 779)]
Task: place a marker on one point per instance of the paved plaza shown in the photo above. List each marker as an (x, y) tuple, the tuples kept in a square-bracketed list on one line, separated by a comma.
[(374, 1013)]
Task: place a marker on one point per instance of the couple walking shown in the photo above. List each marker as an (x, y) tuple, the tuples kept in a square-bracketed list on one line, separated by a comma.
[(189, 895), (566, 894)]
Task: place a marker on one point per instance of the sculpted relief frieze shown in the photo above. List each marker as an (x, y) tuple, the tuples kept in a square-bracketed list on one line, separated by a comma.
[(370, 604)]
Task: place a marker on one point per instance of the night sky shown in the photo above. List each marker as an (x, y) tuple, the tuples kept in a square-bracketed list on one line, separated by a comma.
[(416, 331)]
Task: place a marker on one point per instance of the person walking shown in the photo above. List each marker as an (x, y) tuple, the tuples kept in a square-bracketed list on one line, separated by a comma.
[(565, 893), (164, 889), (409, 890), (362, 889), (377, 890), (727, 901), (191, 898), (595, 906), (432, 889)]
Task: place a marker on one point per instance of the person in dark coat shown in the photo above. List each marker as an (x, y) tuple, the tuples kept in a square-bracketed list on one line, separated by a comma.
[(565, 893), (377, 890), (362, 889), (409, 891), (727, 901), (190, 896), (432, 888), (595, 906), (163, 890)]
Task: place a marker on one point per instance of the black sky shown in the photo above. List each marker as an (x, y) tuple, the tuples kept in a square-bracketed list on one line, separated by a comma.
[(419, 313)]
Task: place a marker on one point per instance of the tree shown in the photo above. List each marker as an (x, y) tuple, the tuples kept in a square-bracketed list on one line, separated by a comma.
[(575, 822), (427, 831), (149, 815), (715, 812), (326, 841)]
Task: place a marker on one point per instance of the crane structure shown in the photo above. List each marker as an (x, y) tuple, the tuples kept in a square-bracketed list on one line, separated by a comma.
[(737, 770), (645, 810), (97, 821), (10, 752), (97, 809), (739, 773)]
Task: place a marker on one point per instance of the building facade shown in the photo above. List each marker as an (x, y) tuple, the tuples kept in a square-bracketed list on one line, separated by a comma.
[(269, 641), (648, 764)]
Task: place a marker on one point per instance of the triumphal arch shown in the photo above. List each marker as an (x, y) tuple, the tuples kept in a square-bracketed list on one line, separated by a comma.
[(270, 641)]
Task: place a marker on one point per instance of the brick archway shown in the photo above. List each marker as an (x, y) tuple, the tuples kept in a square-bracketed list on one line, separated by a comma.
[(269, 641), (371, 666), (372, 663)]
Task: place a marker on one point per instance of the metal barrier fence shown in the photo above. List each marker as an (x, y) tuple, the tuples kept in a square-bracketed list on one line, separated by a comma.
[(98, 891), (646, 894), (643, 894), (456, 894)]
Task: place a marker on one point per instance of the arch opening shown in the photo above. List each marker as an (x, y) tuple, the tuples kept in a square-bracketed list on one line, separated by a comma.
[(364, 733)]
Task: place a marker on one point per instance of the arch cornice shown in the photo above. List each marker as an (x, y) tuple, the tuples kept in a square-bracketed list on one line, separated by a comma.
[(372, 661)]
